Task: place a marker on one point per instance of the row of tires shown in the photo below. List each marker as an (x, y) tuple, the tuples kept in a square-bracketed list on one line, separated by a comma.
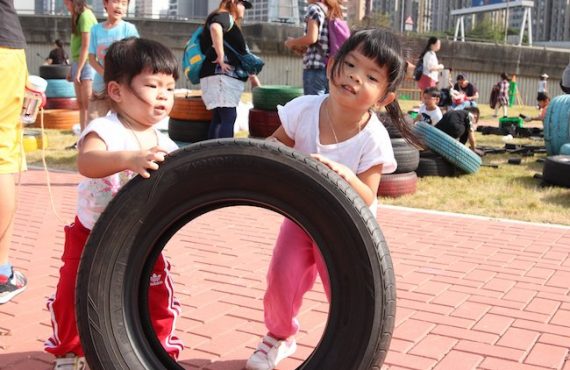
[(263, 117)]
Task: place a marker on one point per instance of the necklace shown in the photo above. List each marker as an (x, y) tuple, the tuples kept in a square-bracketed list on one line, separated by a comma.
[(330, 121)]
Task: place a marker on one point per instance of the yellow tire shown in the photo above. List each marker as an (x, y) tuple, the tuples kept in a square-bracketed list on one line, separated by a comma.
[(30, 143)]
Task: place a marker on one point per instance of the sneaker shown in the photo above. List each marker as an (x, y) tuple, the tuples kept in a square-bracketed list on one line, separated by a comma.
[(270, 352), (12, 286), (70, 362)]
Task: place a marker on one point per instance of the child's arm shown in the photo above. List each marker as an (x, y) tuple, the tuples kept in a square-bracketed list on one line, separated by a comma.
[(471, 139), (365, 183), (281, 136), (96, 65), (94, 161)]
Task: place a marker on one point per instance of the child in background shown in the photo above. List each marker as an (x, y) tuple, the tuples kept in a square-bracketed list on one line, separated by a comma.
[(140, 76), (542, 85), (81, 74), (102, 36), (429, 110), (543, 101), (461, 125), (340, 130)]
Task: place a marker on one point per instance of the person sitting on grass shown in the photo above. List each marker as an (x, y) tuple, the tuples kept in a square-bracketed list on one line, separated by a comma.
[(429, 110), (461, 125), (464, 94), (543, 101)]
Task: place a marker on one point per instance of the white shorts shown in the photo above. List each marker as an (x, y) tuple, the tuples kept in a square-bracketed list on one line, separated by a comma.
[(221, 91)]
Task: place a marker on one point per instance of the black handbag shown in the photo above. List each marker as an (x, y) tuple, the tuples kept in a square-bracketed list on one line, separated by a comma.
[(250, 64)]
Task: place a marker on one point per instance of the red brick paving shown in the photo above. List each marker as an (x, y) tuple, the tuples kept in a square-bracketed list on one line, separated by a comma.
[(473, 293)]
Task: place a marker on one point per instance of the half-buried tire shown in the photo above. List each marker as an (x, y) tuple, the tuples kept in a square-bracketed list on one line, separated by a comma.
[(112, 285)]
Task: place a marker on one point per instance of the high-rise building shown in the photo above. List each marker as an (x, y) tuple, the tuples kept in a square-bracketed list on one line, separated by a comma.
[(191, 9), (282, 11), (151, 8)]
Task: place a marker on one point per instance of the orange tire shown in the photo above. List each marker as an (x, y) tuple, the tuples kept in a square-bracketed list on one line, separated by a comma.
[(190, 108), (58, 119)]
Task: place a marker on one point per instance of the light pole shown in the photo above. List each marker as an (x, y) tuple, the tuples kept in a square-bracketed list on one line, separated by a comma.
[(402, 4)]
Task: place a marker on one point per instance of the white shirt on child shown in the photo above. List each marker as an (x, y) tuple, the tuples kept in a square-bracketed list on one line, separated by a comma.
[(370, 147), (93, 195), (430, 116)]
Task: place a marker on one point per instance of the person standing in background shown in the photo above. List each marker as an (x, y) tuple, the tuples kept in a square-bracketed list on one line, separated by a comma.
[(57, 55), (565, 80), (81, 74), (220, 84), (542, 85), (431, 65), (502, 95), (315, 45), (13, 74), (102, 36)]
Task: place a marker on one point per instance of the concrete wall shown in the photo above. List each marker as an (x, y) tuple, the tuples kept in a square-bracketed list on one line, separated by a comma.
[(482, 63)]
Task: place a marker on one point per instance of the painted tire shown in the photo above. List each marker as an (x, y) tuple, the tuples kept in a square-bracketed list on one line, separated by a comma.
[(61, 103), (397, 184), (112, 282), (60, 89), (268, 97), (190, 109), (30, 143), (565, 149), (451, 149), (556, 170), (263, 123), (407, 156), (58, 119), (188, 131), (54, 71), (41, 138), (556, 124)]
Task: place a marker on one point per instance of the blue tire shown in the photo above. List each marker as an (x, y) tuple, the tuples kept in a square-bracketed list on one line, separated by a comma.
[(449, 148), (556, 124), (60, 89)]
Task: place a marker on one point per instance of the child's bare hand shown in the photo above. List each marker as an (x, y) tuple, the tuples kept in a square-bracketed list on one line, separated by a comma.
[(145, 160), (343, 171)]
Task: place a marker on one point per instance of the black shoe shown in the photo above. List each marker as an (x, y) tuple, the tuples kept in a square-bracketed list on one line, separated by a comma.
[(72, 147)]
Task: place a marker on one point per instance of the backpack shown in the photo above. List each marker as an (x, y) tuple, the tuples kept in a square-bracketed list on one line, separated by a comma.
[(339, 32), (193, 58), (419, 70)]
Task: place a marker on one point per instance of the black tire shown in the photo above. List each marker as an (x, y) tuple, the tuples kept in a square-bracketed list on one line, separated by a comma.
[(188, 131), (432, 164), (112, 312), (54, 71), (556, 170), (393, 131), (407, 156)]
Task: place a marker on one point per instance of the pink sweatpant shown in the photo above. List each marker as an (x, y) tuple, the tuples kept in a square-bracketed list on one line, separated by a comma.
[(292, 272), (164, 309)]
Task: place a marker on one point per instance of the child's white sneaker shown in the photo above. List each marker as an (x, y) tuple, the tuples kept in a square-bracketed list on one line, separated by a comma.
[(70, 362), (270, 352)]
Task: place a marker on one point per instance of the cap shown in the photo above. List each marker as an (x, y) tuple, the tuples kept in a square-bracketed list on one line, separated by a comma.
[(565, 82), (246, 4), (544, 75), (36, 83), (460, 77)]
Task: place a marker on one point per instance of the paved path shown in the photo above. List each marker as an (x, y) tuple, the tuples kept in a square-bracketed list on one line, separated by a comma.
[(473, 293)]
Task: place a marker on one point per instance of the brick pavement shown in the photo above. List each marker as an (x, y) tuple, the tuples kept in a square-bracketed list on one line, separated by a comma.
[(473, 293)]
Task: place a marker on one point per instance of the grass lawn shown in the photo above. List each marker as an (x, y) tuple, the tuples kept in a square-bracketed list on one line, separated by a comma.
[(509, 191)]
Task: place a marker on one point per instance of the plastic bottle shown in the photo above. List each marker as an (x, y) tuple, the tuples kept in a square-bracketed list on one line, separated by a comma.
[(34, 99)]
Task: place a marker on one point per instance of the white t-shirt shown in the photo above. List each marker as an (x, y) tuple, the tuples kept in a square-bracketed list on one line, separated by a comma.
[(542, 86), (430, 61), (430, 116), (93, 195), (370, 147)]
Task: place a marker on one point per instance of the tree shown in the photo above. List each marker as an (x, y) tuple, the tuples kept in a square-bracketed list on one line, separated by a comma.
[(486, 30)]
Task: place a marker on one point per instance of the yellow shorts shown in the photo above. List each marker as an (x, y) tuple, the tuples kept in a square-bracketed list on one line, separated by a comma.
[(13, 74)]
